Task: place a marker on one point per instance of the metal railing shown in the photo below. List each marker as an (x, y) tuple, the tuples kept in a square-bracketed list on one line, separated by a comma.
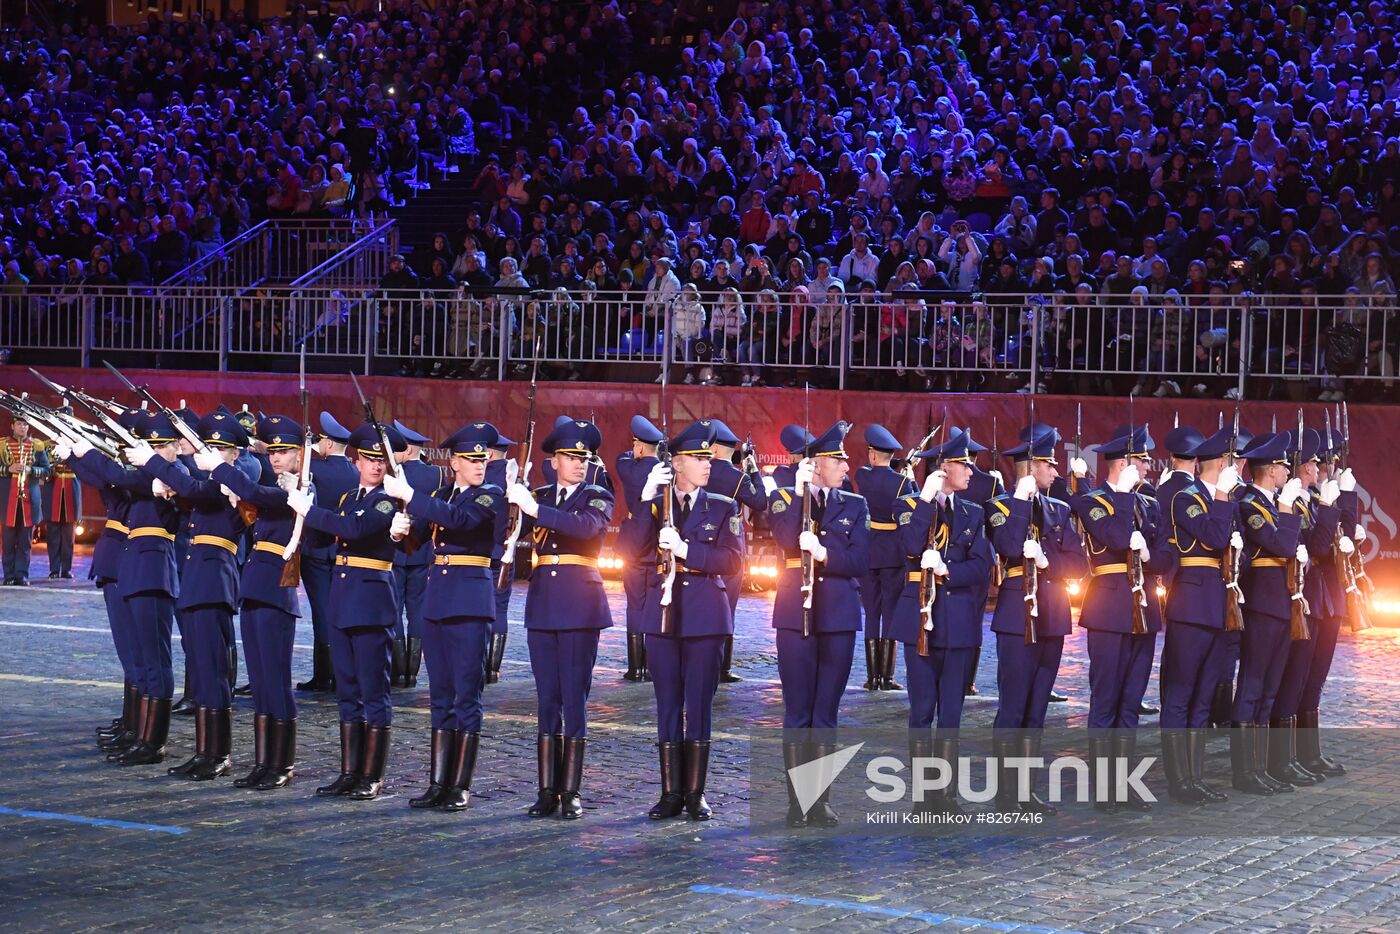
[(278, 250), (1024, 341)]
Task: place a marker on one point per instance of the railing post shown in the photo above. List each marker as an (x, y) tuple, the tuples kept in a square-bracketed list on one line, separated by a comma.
[(88, 326), (503, 335), (845, 346), (225, 325), (371, 330), (1246, 335), (666, 320), (1034, 311)]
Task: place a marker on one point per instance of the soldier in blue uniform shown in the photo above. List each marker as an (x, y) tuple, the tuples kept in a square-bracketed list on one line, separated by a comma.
[(1269, 522), (411, 568), (1201, 516), (595, 473), (882, 488), (943, 532), (686, 646), (632, 468), (148, 580), (208, 590), (565, 608), (796, 440), (813, 666), (332, 476), (1223, 701), (500, 472), (1030, 526), (363, 611), (460, 604), (1319, 520), (268, 609), (20, 502), (1122, 527), (746, 488), (981, 489), (63, 510)]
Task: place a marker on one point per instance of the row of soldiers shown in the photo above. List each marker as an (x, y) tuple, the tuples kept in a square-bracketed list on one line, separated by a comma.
[(916, 558)]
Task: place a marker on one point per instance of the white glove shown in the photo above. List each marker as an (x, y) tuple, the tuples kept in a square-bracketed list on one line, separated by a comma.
[(805, 470), (1345, 545), (933, 485), (159, 488), (1031, 549), (1329, 492), (670, 539), (1360, 535), (232, 496), (770, 486), (512, 471), (1229, 479), (1237, 541), (1292, 492), (1138, 543), (1166, 475), (138, 454), (1346, 481), (659, 476), (1025, 488), (810, 541), (998, 481), (288, 481), (931, 560), (401, 526), (299, 501), (62, 451), (398, 488), (1302, 554), (207, 460), (1079, 467), (1042, 562), (1128, 479), (519, 495), (81, 447)]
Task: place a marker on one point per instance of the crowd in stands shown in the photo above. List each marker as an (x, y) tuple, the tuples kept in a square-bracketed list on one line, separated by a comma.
[(1165, 157)]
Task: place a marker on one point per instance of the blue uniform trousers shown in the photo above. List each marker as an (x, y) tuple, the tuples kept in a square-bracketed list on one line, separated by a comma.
[(153, 616), (59, 536), (17, 541), (119, 619), (1295, 676), (1191, 666), (453, 649), (814, 671), (562, 661), (733, 587), (1025, 676), (1263, 655), (360, 657), (267, 652), (685, 675), (1324, 647), (316, 578), (501, 623), (204, 635), (410, 583), (936, 685), (879, 593), (634, 588), (1119, 665), (1229, 656)]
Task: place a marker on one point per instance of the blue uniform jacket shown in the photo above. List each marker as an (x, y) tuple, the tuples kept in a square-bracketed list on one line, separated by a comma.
[(331, 477), (148, 561), (882, 488), (210, 573), (1200, 534), (107, 552), (699, 601), (1007, 521), (464, 525), (426, 479), (961, 595), (1321, 584), (1270, 540), (1108, 520), (984, 487), (845, 531), (262, 571), (566, 590), (1164, 494), (361, 527)]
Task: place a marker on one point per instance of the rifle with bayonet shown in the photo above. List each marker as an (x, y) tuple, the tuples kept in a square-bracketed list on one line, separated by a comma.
[(59, 427), (668, 564), (410, 543), (1030, 572), (291, 568), (1297, 570), (928, 582), (1137, 574), (515, 522), (1230, 561), (1359, 588), (809, 564), (100, 409)]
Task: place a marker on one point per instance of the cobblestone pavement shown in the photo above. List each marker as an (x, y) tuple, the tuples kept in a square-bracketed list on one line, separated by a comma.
[(197, 855)]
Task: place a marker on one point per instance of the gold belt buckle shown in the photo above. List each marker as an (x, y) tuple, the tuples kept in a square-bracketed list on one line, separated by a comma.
[(553, 559)]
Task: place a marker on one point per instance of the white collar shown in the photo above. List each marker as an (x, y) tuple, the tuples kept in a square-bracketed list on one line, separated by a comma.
[(564, 492)]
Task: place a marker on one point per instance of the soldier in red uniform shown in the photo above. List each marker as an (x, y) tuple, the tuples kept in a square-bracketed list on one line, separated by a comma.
[(23, 466)]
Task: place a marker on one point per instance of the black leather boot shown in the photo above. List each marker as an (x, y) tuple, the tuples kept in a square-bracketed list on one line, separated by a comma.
[(232, 665), (970, 689), (1101, 764), (261, 757), (414, 663), (822, 813), (1124, 752), (459, 791), (872, 669), (1310, 747), (1006, 797), (124, 742), (634, 663), (131, 699), (201, 745), (282, 754), (439, 761), (1196, 746), (1283, 754), (726, 672), (946, 801), (220, 745), (921, 747), (185, 706), (1029, 747), (570, 804), (888, 660), (1266, 743), (672, 802), (1242, 774), (1176, 759), (642, 658), (697, 768), (151, 748), (549, 749), (397, 655), (794, 754), (321, 679), (376, 758), (496, 658), (352, 757)]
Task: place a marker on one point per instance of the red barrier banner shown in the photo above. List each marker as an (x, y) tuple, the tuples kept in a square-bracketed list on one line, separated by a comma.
[(439, 407)]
